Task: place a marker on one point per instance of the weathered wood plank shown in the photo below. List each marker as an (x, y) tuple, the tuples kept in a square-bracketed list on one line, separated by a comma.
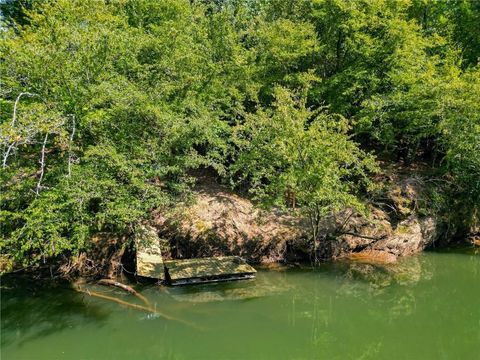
[(149, 256), (208, 269)]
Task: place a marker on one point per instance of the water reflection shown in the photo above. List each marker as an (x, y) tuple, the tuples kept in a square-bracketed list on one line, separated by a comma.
[(415, 295), (243, 290), (32, 309), (423, 307)]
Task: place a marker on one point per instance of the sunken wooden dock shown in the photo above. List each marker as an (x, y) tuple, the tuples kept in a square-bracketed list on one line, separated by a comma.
[(150, 264), (215, 269)]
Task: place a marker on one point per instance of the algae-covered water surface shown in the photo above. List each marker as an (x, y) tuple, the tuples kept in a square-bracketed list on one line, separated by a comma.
[(424, 307)]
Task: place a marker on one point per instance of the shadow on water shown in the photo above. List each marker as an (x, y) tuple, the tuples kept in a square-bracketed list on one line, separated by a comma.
[(33, 309), (459, 250), (351, 278)]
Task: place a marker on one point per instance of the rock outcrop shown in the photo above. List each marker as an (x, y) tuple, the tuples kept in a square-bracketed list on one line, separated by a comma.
[(408, 237), (396, 228), (474, 237), (218, 222)]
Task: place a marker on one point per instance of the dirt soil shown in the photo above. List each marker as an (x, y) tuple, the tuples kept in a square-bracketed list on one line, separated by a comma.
[(220, 222)]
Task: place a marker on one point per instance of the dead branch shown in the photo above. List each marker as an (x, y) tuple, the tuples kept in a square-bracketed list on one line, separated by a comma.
[(364, 236), (14, 117), (42, 165), (347, 219), (133, 306), (127, 288), (70, 147), (118, 301), (12, 124), (7, 153)]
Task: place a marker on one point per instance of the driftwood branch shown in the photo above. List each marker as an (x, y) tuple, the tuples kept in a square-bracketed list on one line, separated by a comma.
[(148, 309), (118, 301), (127, 288)]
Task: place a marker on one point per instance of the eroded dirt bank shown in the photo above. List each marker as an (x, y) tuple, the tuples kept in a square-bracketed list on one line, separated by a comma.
[(220, 222), (216, 221)]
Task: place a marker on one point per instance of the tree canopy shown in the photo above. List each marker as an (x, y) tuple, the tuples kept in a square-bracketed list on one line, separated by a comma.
[(107, 107)]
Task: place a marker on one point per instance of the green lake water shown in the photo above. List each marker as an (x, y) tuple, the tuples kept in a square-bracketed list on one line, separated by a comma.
[(424, 307)]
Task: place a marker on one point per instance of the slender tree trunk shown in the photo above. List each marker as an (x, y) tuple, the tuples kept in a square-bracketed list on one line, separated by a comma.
[(7, 153), (12, 124), (314, 219), (70, 147), (42, 165), (14, 117)]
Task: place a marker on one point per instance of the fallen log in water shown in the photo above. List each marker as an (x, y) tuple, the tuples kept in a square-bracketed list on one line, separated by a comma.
[(119, 301), (127, 288), (135, 306)]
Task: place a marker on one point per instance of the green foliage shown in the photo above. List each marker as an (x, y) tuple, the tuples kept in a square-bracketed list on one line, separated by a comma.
[(460, 140), (108, 106), (125, 112), (293, 149), (435, 104), (454, 19)]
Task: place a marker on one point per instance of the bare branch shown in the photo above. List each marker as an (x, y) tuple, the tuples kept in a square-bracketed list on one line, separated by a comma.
[(42, 165), (12, 124), (376, 238), (70, 147), (347, 219), (14, 117), (7, 153)]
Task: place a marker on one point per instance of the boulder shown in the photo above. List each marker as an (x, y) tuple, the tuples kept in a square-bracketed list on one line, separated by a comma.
[(410, 236)]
